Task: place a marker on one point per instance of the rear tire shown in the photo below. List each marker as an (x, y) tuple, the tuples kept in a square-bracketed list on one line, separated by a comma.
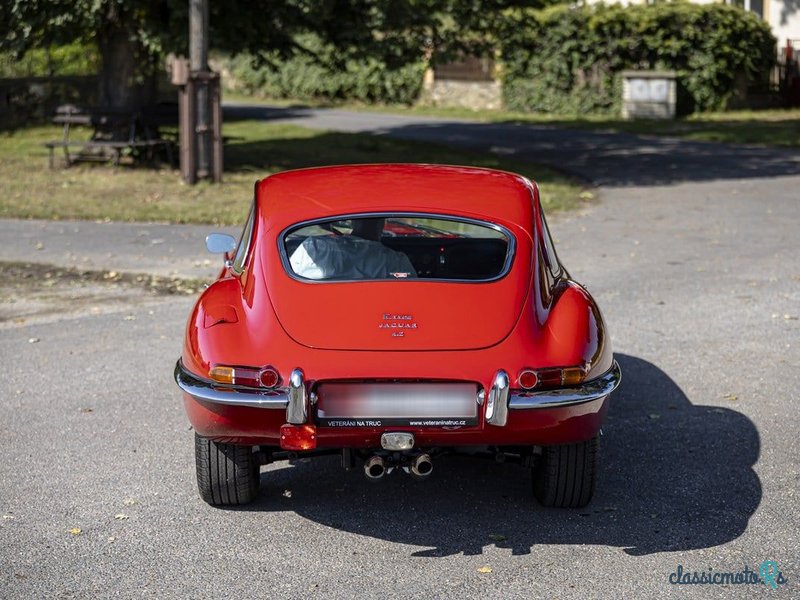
[(564, 476), (227, 475)]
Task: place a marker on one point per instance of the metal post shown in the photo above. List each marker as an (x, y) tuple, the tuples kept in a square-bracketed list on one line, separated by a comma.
[(216, 129), (187, 110), (198, 62)]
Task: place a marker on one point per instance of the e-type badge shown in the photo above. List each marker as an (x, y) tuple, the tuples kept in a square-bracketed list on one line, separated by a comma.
[(397, 324)]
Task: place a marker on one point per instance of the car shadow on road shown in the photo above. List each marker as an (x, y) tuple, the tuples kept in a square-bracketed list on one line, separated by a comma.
[(674, 476)]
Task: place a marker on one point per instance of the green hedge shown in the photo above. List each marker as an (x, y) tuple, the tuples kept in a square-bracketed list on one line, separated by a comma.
[(568, 60), (70, 59), (306, 78)]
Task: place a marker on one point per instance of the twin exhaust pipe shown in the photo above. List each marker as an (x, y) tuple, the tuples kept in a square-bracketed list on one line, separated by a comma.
[(375, 468), (420, 468)]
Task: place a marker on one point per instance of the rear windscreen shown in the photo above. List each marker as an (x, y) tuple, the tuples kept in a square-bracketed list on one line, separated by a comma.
[(397, 247)]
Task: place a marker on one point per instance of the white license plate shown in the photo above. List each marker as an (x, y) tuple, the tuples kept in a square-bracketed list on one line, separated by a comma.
[(393, 404)]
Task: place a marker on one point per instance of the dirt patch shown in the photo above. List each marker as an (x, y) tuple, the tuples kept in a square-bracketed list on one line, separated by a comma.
[(33, 291)]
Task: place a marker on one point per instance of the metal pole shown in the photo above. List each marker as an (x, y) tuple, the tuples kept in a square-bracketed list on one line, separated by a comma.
[(198, 63)]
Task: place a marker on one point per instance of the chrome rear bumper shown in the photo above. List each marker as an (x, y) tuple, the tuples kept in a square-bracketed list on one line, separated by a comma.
[(585, 392), (202, 389), (294, 398)]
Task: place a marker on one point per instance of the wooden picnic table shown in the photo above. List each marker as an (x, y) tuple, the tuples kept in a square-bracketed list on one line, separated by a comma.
[(114, 132)]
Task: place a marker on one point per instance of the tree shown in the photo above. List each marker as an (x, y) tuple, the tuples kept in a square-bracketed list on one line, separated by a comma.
[(133, 36)]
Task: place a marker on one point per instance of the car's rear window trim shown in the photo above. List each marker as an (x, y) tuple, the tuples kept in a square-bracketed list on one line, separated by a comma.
[(245, 243), (509, 261)]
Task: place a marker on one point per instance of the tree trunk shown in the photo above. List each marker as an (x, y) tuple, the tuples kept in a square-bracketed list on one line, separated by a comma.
[(127, 73)]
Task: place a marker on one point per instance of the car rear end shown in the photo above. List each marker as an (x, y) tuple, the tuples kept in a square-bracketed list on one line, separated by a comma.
[(469, 339)]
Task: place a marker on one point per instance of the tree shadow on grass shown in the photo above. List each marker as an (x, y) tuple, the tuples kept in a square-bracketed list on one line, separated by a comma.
[(674, 476), (331, 148)]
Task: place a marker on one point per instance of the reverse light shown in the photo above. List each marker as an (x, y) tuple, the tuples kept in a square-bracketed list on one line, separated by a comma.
[(298, 437), (267, 377), (549, 378)]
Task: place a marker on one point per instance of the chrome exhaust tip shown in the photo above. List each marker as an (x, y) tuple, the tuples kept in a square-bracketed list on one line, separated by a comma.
[(422, 466), (374, 468)]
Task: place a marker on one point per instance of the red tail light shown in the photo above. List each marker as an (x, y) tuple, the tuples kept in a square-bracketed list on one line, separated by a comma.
[(528, 379), (298, 437), (269, 377)]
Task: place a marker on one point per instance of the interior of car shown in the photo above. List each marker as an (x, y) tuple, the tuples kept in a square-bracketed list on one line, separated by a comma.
[(437, 248)]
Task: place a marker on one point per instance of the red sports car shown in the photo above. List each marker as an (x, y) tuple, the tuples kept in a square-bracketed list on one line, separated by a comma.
[(390, 314)]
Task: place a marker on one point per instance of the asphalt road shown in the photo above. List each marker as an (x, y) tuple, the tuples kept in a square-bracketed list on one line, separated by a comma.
[(699, 280), (607, 159)]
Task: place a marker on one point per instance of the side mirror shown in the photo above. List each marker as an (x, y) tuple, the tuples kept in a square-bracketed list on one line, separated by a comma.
[(220, 243)]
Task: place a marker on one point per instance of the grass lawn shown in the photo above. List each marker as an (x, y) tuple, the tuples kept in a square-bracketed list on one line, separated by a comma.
[(766, 127), (31, 190)]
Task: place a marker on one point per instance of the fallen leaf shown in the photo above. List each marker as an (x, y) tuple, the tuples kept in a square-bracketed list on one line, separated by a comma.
[(484, 569), (75, 531), (731, 397), (790, 317), (85, 410)]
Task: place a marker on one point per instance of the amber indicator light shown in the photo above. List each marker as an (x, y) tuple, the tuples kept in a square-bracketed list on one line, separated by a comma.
[(222, 373)]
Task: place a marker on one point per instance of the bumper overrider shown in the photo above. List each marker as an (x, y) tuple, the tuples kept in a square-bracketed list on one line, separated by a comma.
[(294, 398)]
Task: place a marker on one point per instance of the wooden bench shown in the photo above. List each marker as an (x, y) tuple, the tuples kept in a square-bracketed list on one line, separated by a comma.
[(114, 132)]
